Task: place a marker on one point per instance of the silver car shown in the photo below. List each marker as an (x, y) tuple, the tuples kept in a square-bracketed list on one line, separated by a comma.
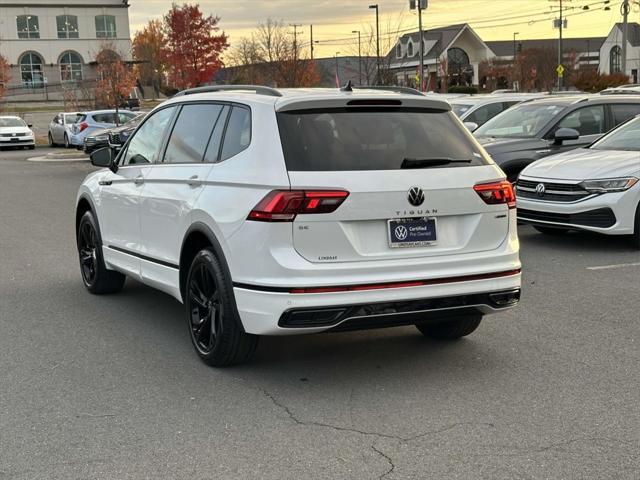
[(60, 128), (90, 122)]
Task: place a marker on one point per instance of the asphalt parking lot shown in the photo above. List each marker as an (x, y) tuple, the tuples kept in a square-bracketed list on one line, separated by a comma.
[(109, 387)]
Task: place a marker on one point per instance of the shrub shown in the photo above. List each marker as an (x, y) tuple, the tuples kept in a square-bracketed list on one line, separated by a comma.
[(462, 89)]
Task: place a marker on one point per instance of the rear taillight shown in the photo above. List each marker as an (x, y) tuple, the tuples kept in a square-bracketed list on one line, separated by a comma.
[(497, 193), (83, 126), (284, 205)]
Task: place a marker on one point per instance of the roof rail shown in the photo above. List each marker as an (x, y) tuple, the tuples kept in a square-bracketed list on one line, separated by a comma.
[(258, 89), (406, 90)]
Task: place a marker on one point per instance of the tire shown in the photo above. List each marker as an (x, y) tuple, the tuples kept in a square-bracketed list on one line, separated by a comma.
[(95, 275), (212, 318), (635, 238), (551, 231), (451, 329), (32, 147), (66, 141), (51, 142)]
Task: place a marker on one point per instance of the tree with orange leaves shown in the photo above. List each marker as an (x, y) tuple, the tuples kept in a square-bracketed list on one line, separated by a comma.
[(149, 51), (194, 46), (5, 76), (115, 79)]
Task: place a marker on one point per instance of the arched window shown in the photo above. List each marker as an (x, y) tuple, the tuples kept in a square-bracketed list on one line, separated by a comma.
[(31, 70), (459, 68), (409, 48), (67, 26), (615, 60), (27, 26), (70, 67), (105, 26), (399, 50)]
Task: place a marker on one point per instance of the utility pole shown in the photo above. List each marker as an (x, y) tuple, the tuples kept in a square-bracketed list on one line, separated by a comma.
[(560, 48), (311, 30), (359, 57), (375, 7), (420, 3), (295, 53), (515, 55), (624, 9)]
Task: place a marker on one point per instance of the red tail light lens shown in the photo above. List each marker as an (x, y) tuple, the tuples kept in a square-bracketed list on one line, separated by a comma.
[(83, 126), (497, 193), (284, 205)]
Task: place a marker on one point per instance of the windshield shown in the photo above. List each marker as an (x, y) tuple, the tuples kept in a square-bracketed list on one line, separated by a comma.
[(460, 108), (524, 121), (349, 139), (627, 137), (12, 122)]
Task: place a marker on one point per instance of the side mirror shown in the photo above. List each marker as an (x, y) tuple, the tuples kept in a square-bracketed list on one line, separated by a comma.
[(29, 125), (563, 134), (104, 157), (471, 126)]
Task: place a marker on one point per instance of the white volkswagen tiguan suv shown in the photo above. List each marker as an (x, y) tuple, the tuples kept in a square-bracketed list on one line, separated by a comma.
[(274, 212)]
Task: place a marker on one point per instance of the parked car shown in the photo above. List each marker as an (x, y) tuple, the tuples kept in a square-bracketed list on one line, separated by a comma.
[(118, 136), (60, 128), (622, 90), (478, 110), (15, 132), (89, 122), (299, 211), (595, 188), (101, 138), (539, 128)]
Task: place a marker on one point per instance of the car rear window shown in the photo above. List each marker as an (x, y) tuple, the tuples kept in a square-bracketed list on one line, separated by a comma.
[(348, 139)]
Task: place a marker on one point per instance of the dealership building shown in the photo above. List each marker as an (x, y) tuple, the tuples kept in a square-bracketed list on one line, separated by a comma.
[(52, 44)]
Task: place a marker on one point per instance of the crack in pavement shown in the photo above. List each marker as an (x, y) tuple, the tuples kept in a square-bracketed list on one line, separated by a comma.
[(387, 458)]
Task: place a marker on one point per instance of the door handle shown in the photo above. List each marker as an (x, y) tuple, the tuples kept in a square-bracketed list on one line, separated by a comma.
[(104, 183), (139, 180), (194, 181)]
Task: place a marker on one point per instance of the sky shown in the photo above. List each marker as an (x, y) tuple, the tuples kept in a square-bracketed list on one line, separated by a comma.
[(334, 20)]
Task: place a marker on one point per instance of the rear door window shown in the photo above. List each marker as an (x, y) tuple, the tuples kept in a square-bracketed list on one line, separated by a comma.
[(586, 120), (347, 139), (484, 113), (191, 133), (238, 133), (623, 112)]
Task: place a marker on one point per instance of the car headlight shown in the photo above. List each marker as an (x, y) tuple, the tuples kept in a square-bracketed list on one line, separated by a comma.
[(102, 137), (609, 184)]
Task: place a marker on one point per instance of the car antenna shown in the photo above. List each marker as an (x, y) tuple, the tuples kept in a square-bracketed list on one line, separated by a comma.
[(347, 87)]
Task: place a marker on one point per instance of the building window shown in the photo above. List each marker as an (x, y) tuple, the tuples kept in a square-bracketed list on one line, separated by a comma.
[(70, 67), (409, 48), (31, 70), (399, 50), (28, 26), (105, 26), (615, 60), (67, 26)]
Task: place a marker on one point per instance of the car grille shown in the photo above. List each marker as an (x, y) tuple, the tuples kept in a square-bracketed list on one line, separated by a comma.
[(13, 134), (601, 217), (553, 192), (114, 138)]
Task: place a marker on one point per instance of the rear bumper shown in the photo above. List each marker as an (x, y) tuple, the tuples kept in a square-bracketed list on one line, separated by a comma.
[(280, 313)]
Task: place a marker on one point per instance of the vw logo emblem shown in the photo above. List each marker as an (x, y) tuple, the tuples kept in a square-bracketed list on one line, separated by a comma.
[(416, 196), (540, 189), (401, 232)]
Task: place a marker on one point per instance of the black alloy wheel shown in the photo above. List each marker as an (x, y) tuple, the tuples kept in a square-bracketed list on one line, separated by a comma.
[(205, 308), (87, 246)]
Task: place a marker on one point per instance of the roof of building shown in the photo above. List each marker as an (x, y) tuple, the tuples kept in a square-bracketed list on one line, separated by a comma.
[(436, 40), (504, 48), (633, 31)]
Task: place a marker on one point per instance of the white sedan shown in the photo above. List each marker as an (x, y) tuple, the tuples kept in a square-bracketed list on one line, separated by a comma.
[(14, 132), (596, 188)]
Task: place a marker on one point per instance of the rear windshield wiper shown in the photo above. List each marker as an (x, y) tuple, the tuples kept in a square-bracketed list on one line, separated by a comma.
[(430, 162)]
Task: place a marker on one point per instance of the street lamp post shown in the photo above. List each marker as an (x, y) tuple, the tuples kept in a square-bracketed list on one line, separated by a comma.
[(337, 71), (515, 53), (359, 58), (375, 7)]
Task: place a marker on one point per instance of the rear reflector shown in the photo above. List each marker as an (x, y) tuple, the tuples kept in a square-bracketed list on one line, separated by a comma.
[(284, 205), (416, 283), (497, 193)]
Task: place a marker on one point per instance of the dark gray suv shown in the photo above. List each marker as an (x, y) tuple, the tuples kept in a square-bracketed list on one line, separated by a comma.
[(536, 129)]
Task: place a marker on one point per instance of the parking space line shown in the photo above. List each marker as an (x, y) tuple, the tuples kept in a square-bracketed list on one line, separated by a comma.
[(620, 265)]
